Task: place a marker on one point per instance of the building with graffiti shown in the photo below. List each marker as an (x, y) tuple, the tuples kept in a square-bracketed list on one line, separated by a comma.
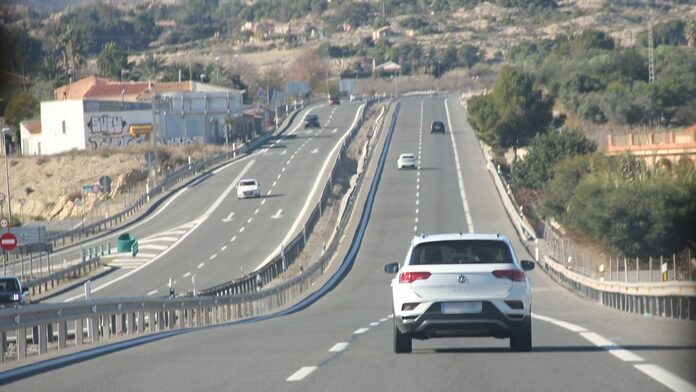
[(81, 124)]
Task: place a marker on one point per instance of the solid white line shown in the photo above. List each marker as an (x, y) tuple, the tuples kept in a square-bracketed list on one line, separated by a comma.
[(360, 331), (77, 225), (214, 255), (666, 378), (152, 292), (315, 186), (186, 275), (462, 192), (223, 248), (338, 347), (200, 265), (600, 341), (302, 373)]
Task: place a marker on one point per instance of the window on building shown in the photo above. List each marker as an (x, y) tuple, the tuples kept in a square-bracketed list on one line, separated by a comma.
[(63, 127)]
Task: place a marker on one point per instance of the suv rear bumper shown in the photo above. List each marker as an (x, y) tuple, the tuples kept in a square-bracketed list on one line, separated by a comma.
[(434, 324)]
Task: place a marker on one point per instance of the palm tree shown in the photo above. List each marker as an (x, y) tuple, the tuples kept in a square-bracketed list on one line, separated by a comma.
[(68, 42), (151, 66)]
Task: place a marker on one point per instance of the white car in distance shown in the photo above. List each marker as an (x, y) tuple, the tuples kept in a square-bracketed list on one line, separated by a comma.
[(461, 285), (248, 187), (406, 160)]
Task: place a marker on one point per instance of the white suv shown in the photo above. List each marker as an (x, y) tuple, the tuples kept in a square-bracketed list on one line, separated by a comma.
[(248, 187), (457, 285)]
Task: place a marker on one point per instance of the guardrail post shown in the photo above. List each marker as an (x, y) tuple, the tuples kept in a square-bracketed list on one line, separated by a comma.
[(43, 335), (141, 321), (94, 328), (79, 331), (151, 321), (62, 334), (21, 343), (3, 346), (130, 323)]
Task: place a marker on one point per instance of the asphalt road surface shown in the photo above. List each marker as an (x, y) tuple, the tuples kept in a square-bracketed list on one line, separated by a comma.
[(343, 342)]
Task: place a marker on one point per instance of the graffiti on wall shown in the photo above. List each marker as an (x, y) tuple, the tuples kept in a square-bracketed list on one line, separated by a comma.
[(109, 131), (179, 141)]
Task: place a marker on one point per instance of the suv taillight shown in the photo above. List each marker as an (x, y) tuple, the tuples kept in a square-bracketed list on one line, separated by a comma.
[(410, 277), (512, 274)]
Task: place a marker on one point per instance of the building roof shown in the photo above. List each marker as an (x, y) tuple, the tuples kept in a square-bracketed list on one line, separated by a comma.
[(78, 88), (389, 66), (32, 126)]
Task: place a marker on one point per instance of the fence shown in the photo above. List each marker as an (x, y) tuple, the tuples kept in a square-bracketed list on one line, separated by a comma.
[(35, 261), (45, 328), (678, 266)]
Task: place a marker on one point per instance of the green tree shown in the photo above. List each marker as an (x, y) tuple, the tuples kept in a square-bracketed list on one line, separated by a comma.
[(690, 33), (151, 67), (21, 106), (535, 170), (513, 113), (112, 60)]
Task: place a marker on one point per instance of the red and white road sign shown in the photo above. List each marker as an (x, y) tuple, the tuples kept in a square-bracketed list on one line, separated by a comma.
[(4, 223), (2, 197), (96, 188), (8, 241)]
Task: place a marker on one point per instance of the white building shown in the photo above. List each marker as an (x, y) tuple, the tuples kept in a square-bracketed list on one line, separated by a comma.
[(89, 124)]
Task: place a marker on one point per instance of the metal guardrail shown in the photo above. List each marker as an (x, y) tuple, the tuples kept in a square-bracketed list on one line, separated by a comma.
[(291, 251), (675, 299), (43, 328)]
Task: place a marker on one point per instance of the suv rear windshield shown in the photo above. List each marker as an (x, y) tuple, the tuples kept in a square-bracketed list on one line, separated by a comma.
[(8, 285), (247, 183), (461, 252)]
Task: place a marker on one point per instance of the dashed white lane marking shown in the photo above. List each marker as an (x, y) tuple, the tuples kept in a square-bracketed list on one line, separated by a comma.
[(241, 229), (302, 373), (360, 331), (374, 324), (200, 265), (263, 201), (338, 347), (283, 170), (233, 238), (383, 319), (666, 378), (224, 247), (279, 175), (600, 341), (214, 255), (249, 220), (268, 193), (416, 219), (153, 292), (288, 162), (274, 184), (152, 246), (560, 323), (462, 192), (186, 275), (256, 211), (415, 228)]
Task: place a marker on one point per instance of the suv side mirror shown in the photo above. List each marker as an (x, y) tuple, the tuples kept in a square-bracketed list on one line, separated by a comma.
[(527, 265), (391, 268)]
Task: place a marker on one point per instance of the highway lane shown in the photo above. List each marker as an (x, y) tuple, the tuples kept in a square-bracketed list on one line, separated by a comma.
[(227, 236), (353, 319)]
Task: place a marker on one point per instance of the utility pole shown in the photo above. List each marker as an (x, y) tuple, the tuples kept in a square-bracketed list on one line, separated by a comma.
[(651, 54)]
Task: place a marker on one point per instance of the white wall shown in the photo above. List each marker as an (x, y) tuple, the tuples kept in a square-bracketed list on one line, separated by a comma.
[(30, 142), (56, 139)]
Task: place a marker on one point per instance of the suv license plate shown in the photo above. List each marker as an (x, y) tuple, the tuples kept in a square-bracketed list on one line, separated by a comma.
[(460, 307)]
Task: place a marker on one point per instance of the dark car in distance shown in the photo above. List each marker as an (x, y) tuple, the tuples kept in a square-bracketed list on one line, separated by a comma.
[(437, 126), (334, 101), (12, 293), (311, 121)]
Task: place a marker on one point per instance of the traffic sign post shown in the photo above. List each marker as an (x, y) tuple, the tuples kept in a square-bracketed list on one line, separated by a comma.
[(8, 241)]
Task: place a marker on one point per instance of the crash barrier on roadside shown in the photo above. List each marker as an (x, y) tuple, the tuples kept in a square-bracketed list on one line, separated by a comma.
[(291, 251), (645, 295), (167, 182), (46, 328)]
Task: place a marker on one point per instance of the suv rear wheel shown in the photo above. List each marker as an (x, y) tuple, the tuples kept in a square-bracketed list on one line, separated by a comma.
[(402, 342), (521, 339)]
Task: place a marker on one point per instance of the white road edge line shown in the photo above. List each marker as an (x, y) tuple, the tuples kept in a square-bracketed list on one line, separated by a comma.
[(462, 192), (152, 292), (298, 220), (205, 216), (606, 344), (666, 378), (302, 373)]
